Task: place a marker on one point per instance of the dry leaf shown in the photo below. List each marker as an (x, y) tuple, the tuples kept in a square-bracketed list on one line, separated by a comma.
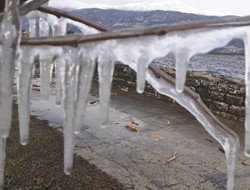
[(157, 137), (132, 127)]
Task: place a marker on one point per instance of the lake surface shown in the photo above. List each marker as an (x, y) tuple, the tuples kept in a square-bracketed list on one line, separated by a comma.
[(222, 65)]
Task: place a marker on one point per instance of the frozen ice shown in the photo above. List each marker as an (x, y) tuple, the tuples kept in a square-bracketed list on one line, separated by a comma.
[(25, 71), (246, 39), (68, 81), (86, 72), (9, 48)]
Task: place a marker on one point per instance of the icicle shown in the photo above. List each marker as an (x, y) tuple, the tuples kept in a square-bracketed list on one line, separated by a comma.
[(46, 68), (59, 28), (32, 28), (25, 71), (247, 83), (45, 61), (86, 73), (9, 37), (68, 74), (106, 65), (142, 65), (182, 59), (43, 27), (2, 160)]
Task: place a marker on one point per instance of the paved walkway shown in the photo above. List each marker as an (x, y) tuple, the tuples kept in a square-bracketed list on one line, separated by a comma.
[(139, 159)]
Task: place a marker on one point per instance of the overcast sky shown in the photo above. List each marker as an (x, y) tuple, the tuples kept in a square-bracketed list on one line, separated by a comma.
[(237, 7)]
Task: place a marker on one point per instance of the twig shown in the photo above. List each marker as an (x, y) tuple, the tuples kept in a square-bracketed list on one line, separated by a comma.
[(172, 158), (132, 121)]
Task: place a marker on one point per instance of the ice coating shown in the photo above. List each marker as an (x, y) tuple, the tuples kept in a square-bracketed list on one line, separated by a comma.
[(106, 62), (68, 76), (86, 73), (227, 138), (246, 39), (25, 71)]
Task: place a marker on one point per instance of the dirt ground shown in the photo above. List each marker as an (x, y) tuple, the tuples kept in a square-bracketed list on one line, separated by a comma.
[(39, 165)]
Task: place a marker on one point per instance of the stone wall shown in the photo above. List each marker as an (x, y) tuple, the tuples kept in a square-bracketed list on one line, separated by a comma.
[(223, 95)]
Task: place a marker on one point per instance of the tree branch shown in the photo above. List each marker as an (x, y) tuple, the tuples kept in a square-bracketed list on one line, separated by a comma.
[(60, 13), (30, 6)]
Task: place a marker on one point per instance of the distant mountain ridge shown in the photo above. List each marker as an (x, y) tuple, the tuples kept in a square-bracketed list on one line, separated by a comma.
[(166, 5), (117, 19)]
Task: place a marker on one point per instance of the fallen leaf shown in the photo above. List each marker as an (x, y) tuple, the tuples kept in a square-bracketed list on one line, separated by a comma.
[(132, 127), (157, 137)]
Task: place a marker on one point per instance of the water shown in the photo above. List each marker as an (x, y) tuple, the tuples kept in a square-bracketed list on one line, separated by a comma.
[(220, 65)]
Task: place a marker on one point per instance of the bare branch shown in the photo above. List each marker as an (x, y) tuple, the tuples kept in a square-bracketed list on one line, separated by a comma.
[(60, 13), (32, 5)]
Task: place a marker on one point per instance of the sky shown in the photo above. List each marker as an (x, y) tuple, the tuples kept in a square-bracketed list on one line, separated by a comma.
[(233, 7)]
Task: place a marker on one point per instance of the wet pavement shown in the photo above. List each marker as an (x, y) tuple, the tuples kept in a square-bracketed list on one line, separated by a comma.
[(151, 144)]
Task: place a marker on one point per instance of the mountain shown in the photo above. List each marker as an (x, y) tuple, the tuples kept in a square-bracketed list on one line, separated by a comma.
[(117, 19), (167, 5)]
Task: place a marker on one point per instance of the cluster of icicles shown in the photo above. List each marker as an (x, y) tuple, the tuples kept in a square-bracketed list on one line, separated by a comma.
[(74, 70)]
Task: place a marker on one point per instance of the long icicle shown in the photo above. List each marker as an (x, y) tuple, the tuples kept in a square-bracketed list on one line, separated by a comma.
[(182, 59), (68, 74), (25, 71), (105, 73), (10, 37), (247, 83), (86, 73)]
